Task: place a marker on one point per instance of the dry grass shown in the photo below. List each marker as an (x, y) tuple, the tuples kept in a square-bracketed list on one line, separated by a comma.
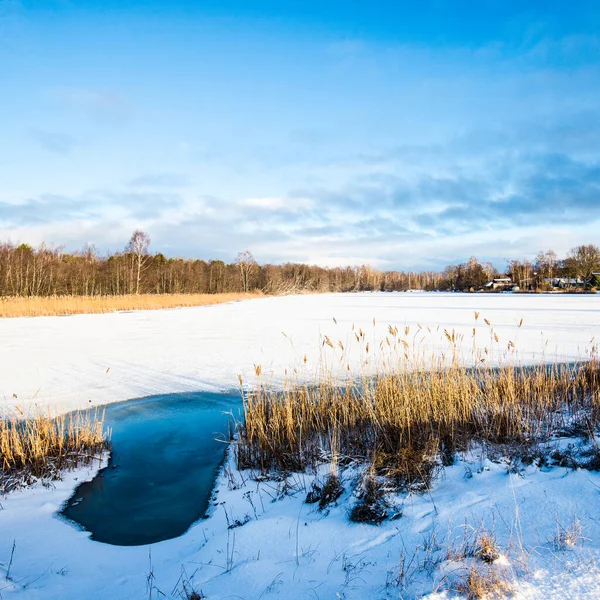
[(411, 416), (73, 305), (326, 493), (568, 537), (487, 547), (41, 446), (402, 422), (371, 506), (484, 582)]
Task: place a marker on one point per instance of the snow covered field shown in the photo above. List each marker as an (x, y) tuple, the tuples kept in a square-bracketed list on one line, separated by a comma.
[(288, 549)]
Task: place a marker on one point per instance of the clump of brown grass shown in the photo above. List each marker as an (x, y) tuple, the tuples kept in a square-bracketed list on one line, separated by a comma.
[(487, 547), (473, 569), (326, 493), (371, 507), (37, 306), (483, 581), (40, 446)]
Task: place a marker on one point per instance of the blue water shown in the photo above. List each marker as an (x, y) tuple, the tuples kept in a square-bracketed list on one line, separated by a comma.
[(165, 456)]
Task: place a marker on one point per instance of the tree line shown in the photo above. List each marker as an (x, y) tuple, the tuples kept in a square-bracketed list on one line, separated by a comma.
[(46, 271), (579, 269)]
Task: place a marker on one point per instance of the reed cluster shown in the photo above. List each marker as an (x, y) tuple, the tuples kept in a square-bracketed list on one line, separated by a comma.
[(40, 446), (409, 416), (36, 306)]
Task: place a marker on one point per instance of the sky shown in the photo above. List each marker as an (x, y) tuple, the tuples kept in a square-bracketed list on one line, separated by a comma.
[(402, 134)]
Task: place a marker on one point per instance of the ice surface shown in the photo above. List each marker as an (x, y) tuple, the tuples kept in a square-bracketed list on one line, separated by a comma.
[(80, 360)]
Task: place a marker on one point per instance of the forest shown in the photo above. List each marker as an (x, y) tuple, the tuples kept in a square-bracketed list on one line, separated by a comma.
[(46, 271)]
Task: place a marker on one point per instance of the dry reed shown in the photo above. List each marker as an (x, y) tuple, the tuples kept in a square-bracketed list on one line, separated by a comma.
[(41, 446), (36, 306), (411, 416)]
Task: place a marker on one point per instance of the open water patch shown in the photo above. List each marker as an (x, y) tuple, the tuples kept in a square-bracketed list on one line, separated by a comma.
[(166, 452)]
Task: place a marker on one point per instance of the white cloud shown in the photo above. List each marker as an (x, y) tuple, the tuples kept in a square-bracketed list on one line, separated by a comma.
[(278, 203)]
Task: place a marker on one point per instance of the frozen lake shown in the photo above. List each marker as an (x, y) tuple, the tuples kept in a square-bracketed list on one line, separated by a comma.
[(89, 360)]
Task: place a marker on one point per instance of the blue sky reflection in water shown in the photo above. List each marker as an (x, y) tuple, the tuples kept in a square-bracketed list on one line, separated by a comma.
[(162, 469)]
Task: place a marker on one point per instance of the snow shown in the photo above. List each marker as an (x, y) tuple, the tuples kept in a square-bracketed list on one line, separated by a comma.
[(70, 362), (292, 549), (288, 548)]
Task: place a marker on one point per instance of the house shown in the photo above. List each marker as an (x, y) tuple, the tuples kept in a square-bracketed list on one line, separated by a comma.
[(567, 282), (500, 283)]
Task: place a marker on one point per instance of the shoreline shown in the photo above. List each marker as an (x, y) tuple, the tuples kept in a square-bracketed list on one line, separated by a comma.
[(62, 306)]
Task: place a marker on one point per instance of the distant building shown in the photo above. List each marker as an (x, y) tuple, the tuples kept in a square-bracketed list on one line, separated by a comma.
[(565, 282), (500, 283)]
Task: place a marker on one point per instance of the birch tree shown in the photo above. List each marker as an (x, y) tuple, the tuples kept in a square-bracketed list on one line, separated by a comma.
[(246, 265), (138, 247)]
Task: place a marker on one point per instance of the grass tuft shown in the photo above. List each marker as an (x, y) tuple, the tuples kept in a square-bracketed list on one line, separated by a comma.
[(325, 494), (483, 581), (371, 507), (487, 548)]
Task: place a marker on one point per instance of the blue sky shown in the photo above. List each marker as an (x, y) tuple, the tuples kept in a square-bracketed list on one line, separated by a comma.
[(400, 134)]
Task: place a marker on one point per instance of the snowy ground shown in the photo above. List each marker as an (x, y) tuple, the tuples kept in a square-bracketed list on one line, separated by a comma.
[(286, 548)]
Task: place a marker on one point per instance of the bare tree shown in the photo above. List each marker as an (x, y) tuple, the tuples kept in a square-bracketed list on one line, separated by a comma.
[(247, 265), (138, 246), (521, 272), (583, 261), (546, 265)]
